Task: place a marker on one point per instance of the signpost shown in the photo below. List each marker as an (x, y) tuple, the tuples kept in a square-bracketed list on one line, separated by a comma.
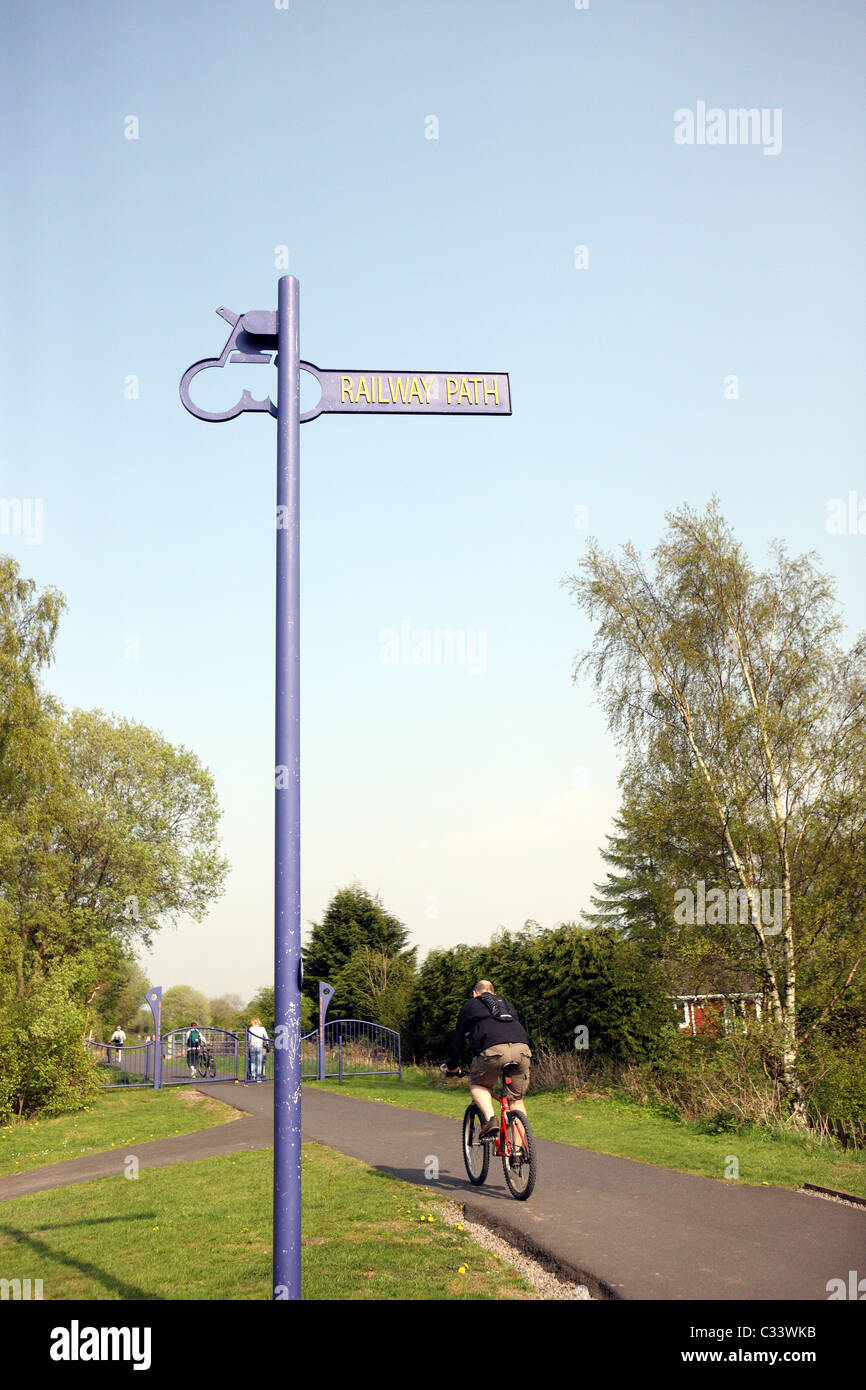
[(253, 339)]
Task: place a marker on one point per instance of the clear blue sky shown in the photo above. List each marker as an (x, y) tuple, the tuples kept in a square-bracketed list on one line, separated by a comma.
[(479, 792)]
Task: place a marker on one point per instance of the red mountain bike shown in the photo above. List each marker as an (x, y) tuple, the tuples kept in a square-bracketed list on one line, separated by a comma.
[(513, 1142)]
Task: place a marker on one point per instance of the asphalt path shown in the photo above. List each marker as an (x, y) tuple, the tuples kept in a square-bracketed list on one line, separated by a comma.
[(251, 1130), (628, 1230)]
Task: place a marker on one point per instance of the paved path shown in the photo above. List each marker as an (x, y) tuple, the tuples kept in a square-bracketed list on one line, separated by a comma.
[(255, 1130), (629, 1230)]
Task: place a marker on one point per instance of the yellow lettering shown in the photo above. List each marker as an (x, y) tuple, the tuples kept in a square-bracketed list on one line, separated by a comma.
[(478, 382), (363, 390), (464, 391), (427, 385), (494, 392), (416, 390), (400, 389), (383, 400), (450, 388), (346, 389)]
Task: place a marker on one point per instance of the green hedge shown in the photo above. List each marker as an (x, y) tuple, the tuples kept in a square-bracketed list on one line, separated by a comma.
[(558, 980)]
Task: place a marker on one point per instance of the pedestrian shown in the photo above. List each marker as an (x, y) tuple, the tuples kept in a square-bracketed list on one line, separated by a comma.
[(118, 1038), (258, 1043), (193, 1043)]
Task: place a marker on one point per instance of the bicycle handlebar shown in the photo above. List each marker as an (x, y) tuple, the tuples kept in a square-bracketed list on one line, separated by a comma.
[(461, 1071)]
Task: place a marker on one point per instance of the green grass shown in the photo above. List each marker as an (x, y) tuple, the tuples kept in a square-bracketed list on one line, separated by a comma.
[(116, 1119), (203, 1231), (611, 1125)]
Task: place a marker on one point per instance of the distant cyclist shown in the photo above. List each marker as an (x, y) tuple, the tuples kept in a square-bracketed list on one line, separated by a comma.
[(193, 1046), (497, 1037)]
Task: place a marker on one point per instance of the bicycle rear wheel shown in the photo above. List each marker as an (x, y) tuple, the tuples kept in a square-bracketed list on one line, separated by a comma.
[(476, 1155), (202, 1065), (520, 1166)]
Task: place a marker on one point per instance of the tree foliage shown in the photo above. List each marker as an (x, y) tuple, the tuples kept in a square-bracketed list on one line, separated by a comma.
[(559, 980), (375, 985), (226, 1011), (107, 832), (353, 919), (735, 700), (44, 1065), (183, 1005)]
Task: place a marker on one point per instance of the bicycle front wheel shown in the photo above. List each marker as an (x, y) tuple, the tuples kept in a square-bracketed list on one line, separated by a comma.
[(202, 1064), (521, 1165), (211, 1068), (476, 1155)]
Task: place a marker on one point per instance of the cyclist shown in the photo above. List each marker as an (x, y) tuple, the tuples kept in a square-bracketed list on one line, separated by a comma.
[(497, 1038), (193, 1043)]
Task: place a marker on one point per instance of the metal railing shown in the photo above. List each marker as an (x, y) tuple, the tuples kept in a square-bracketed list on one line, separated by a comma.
[(221, 1055), (125, 1065), (342, 1048), (350, 1047)]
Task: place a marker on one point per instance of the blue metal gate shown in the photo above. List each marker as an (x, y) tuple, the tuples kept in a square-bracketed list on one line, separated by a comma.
[(132, 1065), (221, 1055), (350, 1047), (216, 1058), (344, 1047)]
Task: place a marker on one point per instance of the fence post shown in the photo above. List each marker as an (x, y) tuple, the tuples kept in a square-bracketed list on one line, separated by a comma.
[(154, 999), (325, 993)]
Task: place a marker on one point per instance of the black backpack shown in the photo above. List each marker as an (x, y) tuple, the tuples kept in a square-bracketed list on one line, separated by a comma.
[(497, 1007)]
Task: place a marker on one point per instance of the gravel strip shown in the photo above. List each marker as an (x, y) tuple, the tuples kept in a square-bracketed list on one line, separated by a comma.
[(830, 1197), (544, 1283)]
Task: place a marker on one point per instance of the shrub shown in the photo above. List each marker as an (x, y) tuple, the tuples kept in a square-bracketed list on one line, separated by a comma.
[(835, 1080), (44, 1066)]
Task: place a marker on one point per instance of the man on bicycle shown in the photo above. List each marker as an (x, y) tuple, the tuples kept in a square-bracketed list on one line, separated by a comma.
[(497, 1039)]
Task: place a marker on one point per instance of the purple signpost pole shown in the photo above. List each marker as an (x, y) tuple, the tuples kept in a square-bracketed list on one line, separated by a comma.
[(287, 884), (253, 338)]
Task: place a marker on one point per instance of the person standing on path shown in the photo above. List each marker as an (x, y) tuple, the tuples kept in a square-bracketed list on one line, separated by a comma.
[(258, 1039), (497, 1038), (118, 1038)]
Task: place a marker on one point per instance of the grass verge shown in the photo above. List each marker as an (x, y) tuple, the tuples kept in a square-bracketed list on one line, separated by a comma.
[(116, 1119), (622, 1127), (203, 1231)]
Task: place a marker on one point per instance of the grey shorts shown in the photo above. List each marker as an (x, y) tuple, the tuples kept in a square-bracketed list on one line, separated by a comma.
[(486, 1067)]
